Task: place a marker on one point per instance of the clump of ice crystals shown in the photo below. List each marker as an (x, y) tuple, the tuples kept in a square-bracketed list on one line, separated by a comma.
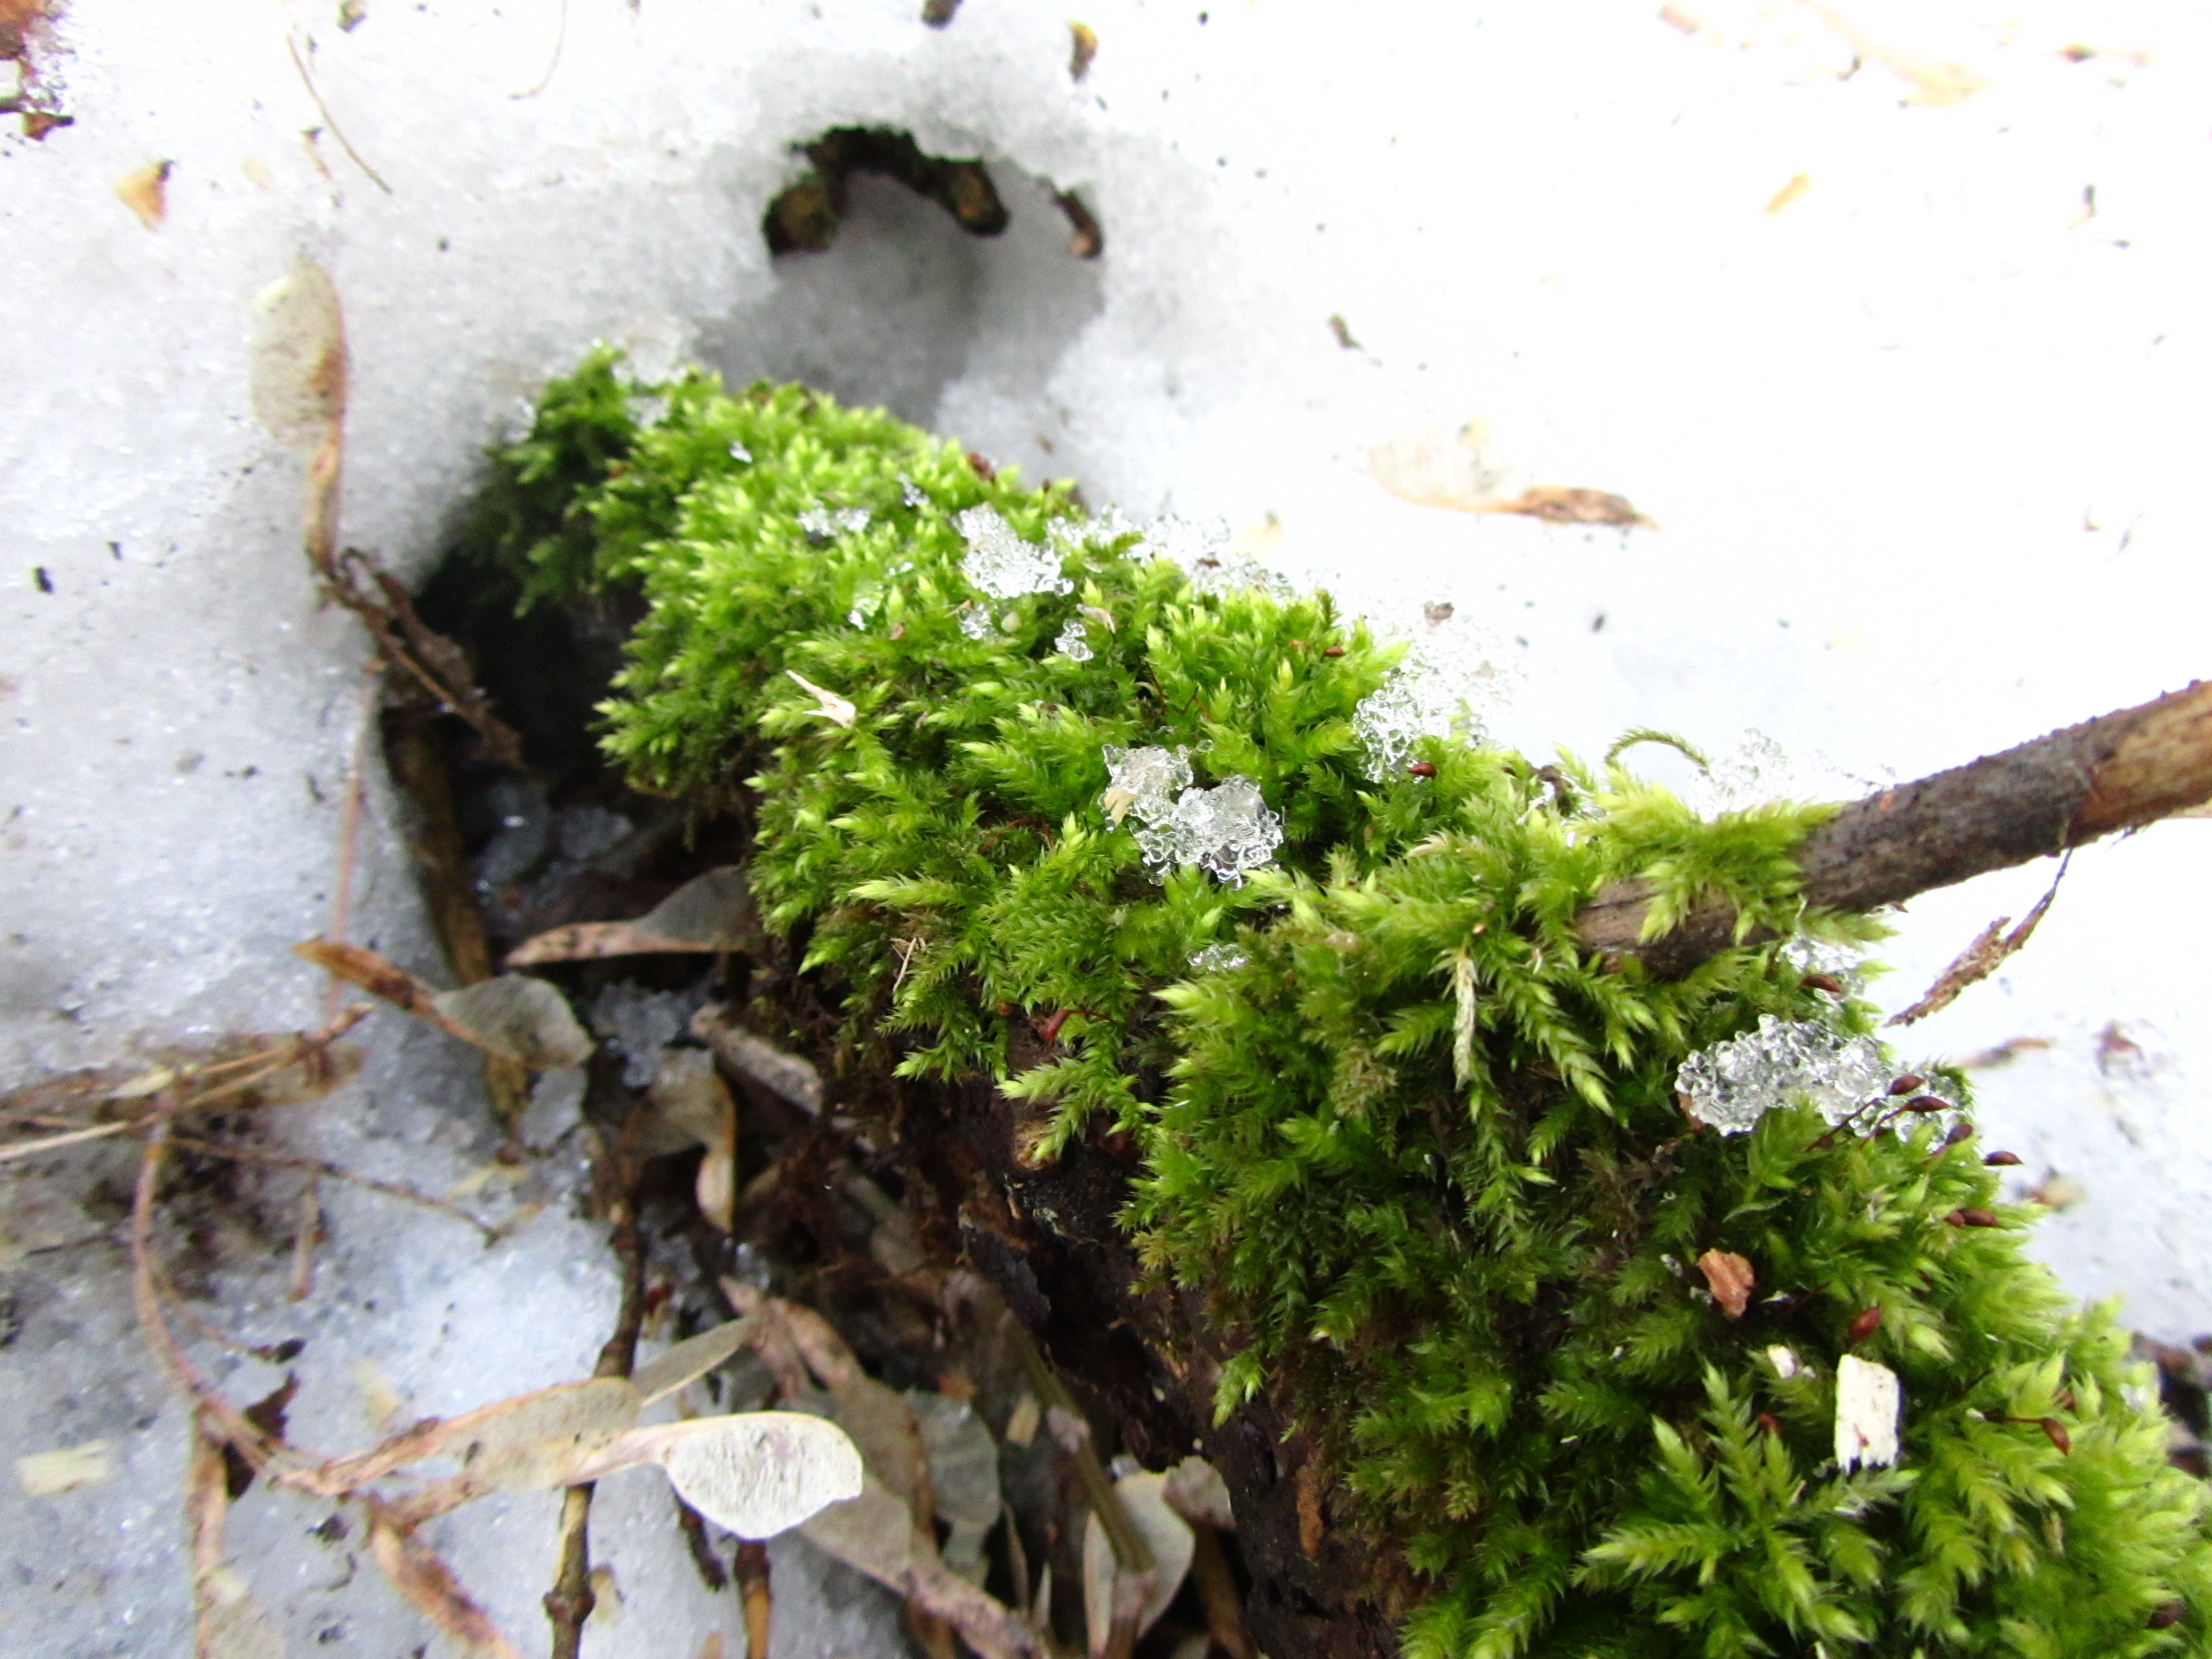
[(826, 523), (1450, 678), (1201, 548), (1225, 831), (1072, 536), (1003, 565), (1841, 960), (1761, 772), (1732, 1084), (1143, 781), (1072, 642), (1216, 957)]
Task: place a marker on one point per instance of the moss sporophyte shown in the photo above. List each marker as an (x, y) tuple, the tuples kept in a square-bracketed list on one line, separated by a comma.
[(1440, 1168)]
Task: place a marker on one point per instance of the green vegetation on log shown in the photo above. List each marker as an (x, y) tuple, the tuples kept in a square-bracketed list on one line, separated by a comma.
[(1422, 1151)]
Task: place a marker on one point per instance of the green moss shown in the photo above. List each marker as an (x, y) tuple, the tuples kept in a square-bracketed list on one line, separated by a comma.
[(1421, 1150)]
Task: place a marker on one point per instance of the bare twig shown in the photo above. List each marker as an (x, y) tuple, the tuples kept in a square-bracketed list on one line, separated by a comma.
[(299, 62), (316, 1166), (2117, 772), (1981, 958), (560, 40), (753, 1588)]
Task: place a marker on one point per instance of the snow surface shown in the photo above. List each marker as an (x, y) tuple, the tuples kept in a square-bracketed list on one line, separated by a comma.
[(1919, 442)]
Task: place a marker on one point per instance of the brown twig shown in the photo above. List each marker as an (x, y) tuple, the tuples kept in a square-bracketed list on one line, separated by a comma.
[(316, 1166), (753, 1589), (693, 1525), (2117, 772), (1218, 1593), (329, 120), (570, 1602)]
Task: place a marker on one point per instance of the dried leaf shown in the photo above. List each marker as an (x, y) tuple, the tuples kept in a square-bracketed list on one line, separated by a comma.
[(1439, 466), (755, 1474), (429, 1586), (883, 1425), (1565, 504), (43, 1475), (299, 358), (1730, 1278), (689, 1360), (534, 1440), (231, 1624), (964, 1477), (519, 1018), (785, 1076), (1868, 1404), (1194, 1490), (1165, 1533), (691, 1097), (146, 192), (834, 708), (874, 1533), (710, 913)]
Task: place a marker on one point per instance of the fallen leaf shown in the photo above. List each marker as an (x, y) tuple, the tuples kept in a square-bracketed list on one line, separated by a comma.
[(146, 192), (2003, 1054), (230, 1623), (1439, 466), (691, 1097), (1194, 1490), (429, 1586), (835, 709), (43, 1475), (298, 368), (785, 1075), (1868, 1403), (754, 1473), (1566, 504), (712, 913), (23, 36), (518, 1018), (536, 1440), (874, 1533), (1788, 193), (1166, 1533), (1676, 17), (689, 1360), (1082, 46), (1730, 1278)]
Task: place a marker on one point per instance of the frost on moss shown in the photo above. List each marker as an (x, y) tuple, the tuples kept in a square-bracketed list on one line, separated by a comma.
[(1423, 1153)]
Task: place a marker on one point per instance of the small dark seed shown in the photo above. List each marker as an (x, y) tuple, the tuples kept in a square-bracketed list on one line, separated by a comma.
[(1927, 1104), (1423, 768), (2057, 1431), (1907, 1084), (2003, 1160), (1978, 1218), (1958, 1131), (1332, 651), (1827, 982), (1866, 1324), (2168, 1613)]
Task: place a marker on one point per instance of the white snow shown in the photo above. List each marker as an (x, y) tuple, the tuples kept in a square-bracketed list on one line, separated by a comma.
[(1922, 440)]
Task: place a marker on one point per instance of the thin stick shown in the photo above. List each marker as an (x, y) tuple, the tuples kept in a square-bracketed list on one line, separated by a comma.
[(316, 1166), (753, 1587), (560, 40), (304, 1241), (329, 120), (52, 1143)]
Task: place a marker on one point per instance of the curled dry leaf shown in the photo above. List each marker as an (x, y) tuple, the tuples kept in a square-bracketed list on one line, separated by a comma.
[(754, 1473), (1565, 504), (710, 913), (1168, 1535), (1730, 1278), (692, 1097), (689, 1360), (519, 1018), (299, 358)]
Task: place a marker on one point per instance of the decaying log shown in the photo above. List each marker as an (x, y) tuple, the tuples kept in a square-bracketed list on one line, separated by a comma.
[(2119, 771)]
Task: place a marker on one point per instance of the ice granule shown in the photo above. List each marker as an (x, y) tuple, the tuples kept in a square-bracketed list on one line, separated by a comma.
[(1841, 960), (1073, 536), (910, 492), (1760, 772), (1217, 957), (1732, 1084), (1225, 831), (1003, 565), (976, 622), (825, 524), (1201, 548), (740, 453), (1072, 641), (1450, 678), (1144, 781)]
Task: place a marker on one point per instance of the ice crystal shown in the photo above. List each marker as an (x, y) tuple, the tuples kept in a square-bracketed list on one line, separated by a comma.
[(1732, 1084), (1761, 772), (1001, 563), (1072, 641), (910, 492), (976, 622), (646, 408), (825, 524), (740, 453), (1073, 536), (1217, 957), (1450, 678), (1143, 781), (1841, 960), (1202, 549), (1225, 831)]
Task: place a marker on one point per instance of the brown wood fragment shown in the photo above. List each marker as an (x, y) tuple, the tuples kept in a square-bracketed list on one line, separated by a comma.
[(1730, 1278)]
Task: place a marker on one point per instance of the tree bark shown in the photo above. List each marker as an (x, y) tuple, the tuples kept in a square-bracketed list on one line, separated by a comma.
[(2119, 771), (1050, 1239)]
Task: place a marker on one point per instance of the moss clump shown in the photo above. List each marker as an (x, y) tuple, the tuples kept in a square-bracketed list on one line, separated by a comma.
[(1423, 1152)]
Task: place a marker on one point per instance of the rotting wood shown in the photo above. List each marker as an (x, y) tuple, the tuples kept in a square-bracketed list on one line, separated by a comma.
[(2120, 771)]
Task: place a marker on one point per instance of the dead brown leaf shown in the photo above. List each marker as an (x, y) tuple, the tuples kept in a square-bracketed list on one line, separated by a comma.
[(513, 1017), (1566, 504), (146, 192), (784, 1075), (1730, 1278)]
